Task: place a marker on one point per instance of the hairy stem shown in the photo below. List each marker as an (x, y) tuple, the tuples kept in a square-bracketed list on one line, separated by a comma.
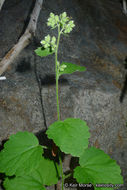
[(57, 76), (54, 148), (61, 170), (57, 99)]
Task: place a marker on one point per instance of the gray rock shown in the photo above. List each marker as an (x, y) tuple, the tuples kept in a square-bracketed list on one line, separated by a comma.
[(98, 42)]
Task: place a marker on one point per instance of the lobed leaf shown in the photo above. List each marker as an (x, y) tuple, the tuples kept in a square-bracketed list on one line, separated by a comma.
[(43, 52), (45, 174), (71, 68), (23, 183), (70, 135), (49, 171), (96, 167), (21, 154)]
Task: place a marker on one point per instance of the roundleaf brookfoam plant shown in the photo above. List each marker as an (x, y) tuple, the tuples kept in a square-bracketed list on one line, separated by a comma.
[(23, 160)]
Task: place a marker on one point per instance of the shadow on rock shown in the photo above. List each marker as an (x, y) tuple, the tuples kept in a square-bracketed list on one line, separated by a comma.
[(50, 80), (124, 90)]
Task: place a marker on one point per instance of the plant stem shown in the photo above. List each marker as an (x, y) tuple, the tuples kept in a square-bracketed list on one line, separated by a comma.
[(68, 175), (57, 99), (61, 168), (57, 76)]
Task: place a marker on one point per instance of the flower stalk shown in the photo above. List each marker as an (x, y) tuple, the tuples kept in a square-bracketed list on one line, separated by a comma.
[(57, 74)]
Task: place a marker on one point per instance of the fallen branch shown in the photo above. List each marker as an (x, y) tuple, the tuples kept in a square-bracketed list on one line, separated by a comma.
[(125, 7), (24, 40), (1, 3)]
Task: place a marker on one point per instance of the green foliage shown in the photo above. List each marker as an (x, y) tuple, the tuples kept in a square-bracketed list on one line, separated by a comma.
[(32, 182), (43, 52), (21, 154), (98, 168), (69, 68), (45, 174), (74, 138), (22, 157), (49, 171)]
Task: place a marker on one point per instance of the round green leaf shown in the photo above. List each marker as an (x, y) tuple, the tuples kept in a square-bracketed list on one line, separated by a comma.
[(71, 68), (47, 173), (21, 154), (24, 183), (96, 167), (43, 52), (70, 135)]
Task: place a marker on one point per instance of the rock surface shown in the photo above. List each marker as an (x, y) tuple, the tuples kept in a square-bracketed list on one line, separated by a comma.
[(98, 42)]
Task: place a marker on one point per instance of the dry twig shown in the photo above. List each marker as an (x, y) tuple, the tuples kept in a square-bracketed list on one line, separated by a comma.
[(1, 3), (24, 40)]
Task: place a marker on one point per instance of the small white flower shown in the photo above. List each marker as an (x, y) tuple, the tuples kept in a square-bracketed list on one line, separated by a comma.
[(62, 67), (42, 42)]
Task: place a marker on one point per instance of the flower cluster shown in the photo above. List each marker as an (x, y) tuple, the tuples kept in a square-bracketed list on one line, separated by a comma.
[(65, 25), (49, 42), (63, 21), (53, 20), (62, 67), (69, 27)]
